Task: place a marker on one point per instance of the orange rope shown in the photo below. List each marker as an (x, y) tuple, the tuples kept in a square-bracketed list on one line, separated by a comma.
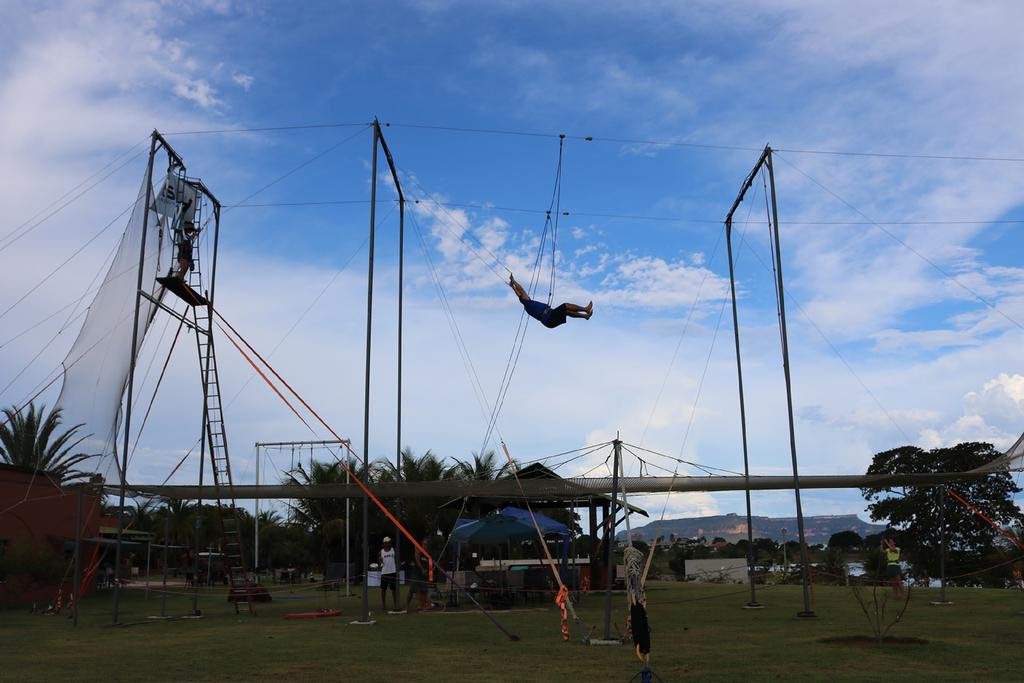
[(265, 378), (993, 524), (562, 599), (383, 508)]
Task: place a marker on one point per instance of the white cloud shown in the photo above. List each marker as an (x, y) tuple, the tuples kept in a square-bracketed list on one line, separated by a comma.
[(244, 81), (198, 91), (994, 414), (653, 282)]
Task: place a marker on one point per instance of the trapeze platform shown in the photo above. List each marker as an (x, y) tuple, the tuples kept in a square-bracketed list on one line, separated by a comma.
[(181, 289)]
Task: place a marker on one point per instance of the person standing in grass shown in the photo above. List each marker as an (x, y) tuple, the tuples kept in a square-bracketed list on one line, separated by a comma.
[(418, 579), (893, 571), (388, 575)]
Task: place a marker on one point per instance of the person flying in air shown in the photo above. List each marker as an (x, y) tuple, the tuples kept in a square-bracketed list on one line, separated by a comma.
[(549, 317)]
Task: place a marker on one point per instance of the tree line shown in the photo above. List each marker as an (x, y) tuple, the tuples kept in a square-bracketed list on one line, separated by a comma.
[(309, 532)]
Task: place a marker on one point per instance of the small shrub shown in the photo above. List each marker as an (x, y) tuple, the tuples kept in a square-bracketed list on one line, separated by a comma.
[(877, 607)]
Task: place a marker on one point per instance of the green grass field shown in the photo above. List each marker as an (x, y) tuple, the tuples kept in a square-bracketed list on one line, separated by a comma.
[(699, 631)]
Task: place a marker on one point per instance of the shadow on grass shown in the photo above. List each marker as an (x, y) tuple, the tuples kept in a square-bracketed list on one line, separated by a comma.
[(871, 641)]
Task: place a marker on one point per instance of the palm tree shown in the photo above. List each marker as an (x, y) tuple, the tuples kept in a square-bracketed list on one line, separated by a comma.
[(181, 523), (318, 517), (269, 518), (313, 513), (421, 516), (483, 468), (28, 439), (144, 516)]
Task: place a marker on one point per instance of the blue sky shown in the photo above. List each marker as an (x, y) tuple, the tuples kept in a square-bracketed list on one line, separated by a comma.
[(923, 360)]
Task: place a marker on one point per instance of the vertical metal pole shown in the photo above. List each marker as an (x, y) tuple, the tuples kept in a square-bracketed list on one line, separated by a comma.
[(942, 532), (291, 501), (366, 400), (785, 558), (398, 431), (131, 381), (805, 570), (198, 523), (592, 518), (610, 540), (256, 521), (348, 562), (75, 589), (743, 418), (149, 554), (167, 536), (216, 243)]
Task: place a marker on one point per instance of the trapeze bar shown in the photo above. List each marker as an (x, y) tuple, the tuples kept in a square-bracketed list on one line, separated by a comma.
[(329, 442)]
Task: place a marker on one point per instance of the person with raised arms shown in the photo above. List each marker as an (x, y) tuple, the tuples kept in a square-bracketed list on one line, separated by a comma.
[(547, 316)]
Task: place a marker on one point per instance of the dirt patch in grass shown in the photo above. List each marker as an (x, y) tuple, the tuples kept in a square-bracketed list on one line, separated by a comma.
[(870, 641)]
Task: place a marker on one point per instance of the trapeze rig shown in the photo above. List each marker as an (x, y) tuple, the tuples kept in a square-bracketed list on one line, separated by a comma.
[(186, 209)]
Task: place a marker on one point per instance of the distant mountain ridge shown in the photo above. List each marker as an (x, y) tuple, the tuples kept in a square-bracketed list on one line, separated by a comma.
[(732, 527)]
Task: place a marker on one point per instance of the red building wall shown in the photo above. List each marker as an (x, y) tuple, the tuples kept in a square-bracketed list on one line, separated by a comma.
[(35, 510)]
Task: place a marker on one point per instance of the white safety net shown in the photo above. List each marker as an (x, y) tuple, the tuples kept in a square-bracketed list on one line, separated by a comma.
[(96, 368), (1011, 460)]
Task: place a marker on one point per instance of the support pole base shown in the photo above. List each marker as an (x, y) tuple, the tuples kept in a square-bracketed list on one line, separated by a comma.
[(371, 622), (753, 605), (941, 603), (807, 615), (604, 641)]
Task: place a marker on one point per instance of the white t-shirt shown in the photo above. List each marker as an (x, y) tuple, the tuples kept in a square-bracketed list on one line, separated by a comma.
[(387, 561)]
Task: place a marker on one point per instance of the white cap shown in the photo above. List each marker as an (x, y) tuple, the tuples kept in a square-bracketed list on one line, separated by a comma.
[(387, 539)]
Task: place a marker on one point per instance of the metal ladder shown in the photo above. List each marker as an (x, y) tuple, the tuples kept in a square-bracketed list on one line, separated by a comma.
[(216, 442)]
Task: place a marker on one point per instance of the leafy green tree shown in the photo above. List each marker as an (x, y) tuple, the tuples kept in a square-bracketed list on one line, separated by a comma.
[(765, 550), (913, 511), (269, 520), (733, 550), (28, 565), (288, 547), (873, 540), (845, 540), (32, 439), (832, 568), (699, 552), (571, 519), (642, 547), (677, 562)]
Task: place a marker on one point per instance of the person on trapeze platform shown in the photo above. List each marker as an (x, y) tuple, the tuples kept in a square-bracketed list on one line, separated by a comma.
[(185, 262), (549, 317)]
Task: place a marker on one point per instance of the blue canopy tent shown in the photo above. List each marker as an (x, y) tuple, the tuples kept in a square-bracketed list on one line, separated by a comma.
[(494, 529), (508, 525)]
